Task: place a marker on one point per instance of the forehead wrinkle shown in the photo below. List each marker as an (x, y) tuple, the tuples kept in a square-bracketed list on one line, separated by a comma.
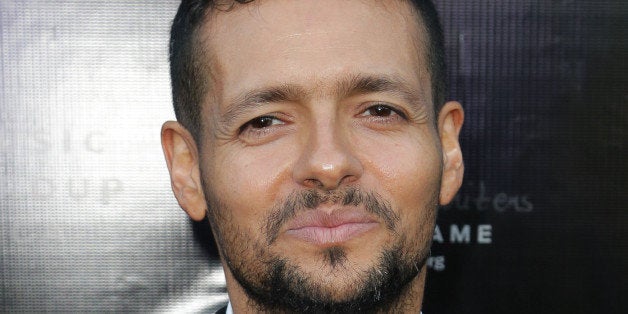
[(415, 95)]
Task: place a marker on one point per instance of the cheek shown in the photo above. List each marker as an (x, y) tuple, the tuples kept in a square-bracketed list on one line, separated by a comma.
[(404, 162), (248, 181), (407, 171)]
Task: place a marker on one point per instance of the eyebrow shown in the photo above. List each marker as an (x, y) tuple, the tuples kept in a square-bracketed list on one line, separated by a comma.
[(255, 98), (361, 85), (348, 86)]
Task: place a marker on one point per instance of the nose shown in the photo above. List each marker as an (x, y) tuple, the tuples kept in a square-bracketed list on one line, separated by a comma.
[(327, 160)]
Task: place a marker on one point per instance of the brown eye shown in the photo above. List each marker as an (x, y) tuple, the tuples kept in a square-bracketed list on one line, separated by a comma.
[(261, 122), (380, 111), (383, 111)]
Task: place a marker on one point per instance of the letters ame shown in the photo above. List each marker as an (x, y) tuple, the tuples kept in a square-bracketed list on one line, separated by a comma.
[(462, 234)]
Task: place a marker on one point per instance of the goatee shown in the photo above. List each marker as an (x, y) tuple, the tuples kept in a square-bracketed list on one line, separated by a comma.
[(275, 284)]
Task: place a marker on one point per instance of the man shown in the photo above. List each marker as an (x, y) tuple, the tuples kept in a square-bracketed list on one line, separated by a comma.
[(315, 137)]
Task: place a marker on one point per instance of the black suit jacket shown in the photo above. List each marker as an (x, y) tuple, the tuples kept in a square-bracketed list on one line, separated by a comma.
[(223, 310)]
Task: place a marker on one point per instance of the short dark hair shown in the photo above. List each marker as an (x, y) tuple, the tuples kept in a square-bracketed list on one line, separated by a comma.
[(188, 71)]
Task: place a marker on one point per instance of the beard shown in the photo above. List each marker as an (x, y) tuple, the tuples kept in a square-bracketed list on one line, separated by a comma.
[(276, 284)]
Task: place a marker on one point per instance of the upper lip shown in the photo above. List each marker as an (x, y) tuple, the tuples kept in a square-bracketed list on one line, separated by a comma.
[(323, 219)]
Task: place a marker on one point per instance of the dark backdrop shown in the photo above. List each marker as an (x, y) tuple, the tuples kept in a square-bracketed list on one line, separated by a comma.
[(545, 89)]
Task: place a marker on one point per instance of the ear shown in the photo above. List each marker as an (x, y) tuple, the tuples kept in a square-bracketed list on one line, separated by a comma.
[(450, 120), (182, 158)]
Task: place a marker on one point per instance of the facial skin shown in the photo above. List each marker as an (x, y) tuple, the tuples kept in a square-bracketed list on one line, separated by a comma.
[(321, 161)]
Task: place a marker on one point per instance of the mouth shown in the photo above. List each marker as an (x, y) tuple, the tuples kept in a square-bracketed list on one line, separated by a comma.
[(322, 228)]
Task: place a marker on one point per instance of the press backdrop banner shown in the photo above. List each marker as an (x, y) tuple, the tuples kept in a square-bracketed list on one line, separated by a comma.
[(88, 221)]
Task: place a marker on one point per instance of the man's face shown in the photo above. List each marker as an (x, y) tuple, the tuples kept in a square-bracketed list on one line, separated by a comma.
[(320, 159)]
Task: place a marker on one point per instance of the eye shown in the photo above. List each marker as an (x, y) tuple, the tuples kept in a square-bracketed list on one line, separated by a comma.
[(260, 123), (382, 111)]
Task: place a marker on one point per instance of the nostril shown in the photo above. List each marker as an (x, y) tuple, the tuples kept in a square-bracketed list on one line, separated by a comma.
[(313, 183), (348, 179)]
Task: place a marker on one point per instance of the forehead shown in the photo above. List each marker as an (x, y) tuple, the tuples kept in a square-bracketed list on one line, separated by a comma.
[(312, 42)]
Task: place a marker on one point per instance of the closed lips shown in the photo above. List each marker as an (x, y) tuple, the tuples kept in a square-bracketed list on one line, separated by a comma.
[(320, 227)]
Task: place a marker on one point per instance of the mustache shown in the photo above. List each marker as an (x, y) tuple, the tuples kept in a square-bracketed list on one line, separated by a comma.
[(304, 200)]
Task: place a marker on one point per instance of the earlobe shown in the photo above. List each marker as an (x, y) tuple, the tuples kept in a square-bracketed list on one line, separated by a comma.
[(181, 155), (450, 120)]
